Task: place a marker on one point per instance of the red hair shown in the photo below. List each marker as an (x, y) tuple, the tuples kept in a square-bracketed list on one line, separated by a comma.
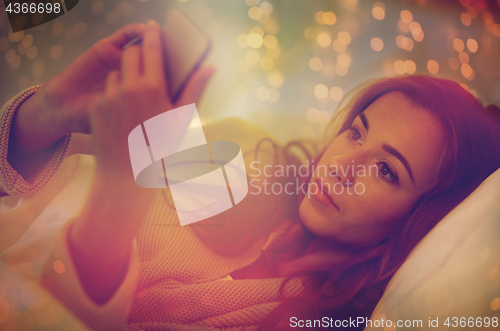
[(469, 156)]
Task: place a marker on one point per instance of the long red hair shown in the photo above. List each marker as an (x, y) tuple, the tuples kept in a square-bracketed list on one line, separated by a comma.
[(470, 155)]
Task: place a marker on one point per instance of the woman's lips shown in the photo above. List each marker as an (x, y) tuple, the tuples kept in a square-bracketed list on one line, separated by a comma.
[(322, 194)]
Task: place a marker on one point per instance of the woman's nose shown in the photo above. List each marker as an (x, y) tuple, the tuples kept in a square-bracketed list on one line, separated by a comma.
[(343, 169)]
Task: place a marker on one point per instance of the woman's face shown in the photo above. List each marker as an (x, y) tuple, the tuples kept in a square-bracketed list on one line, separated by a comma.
[(371, 175)]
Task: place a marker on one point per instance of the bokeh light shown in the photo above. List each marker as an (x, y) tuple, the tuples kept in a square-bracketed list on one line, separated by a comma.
[(377, 44)]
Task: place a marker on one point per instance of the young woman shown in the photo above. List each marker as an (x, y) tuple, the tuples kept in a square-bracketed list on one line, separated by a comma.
[(425, 144)]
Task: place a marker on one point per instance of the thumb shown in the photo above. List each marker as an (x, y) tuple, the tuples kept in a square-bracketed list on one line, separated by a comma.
[(196, 85)]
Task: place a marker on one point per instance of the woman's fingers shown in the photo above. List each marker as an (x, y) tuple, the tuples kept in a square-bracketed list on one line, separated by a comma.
[(131, 66), (129, 32), (153, 54), (112, 84), (196, 85)]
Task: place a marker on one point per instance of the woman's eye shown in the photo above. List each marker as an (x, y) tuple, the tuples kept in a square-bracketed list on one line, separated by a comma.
[(356, 136), (385, 172)]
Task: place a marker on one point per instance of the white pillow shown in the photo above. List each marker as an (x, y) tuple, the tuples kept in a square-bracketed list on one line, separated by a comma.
[(453, 271)]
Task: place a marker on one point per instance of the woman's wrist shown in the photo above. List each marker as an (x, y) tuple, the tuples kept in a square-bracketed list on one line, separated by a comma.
[(38, 124)]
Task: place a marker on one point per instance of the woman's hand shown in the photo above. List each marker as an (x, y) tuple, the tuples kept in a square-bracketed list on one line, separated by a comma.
[(60, 106), (101, 238)]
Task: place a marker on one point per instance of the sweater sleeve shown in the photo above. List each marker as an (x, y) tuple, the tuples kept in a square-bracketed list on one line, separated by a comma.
[(11, 182), (60, 278)]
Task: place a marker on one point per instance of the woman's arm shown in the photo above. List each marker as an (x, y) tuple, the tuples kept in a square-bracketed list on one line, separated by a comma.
[(60, 106), (101, 238)]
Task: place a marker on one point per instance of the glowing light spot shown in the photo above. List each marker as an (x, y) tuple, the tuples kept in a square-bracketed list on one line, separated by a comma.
[(266, 7), (275, 79), (252, 3), (466, 19), (252, 56), (415, 28), (495, 304), (255, 40), (258, 30), (410, 67), (27, 40), (274, 95), (270, 41), (494, 272), (341, 69), (403, 27), (10, 55), (57, 28), (336, 93), (407, 44), (378, 13), (377, 44), (112, 17), (339, 46), (472, 12), (344, 37), (271, 27), (406, 16), (266, 63), (97, 6), (399, 67), (321, 91), (263, 93), (344, 58), (453, 63), (319, 17), (496, 29), (59, 266), (32, 52), (16, 37), (241, 40), (312, 114), (56, 52), (466, 71), (255, 13), (80, 28), (463, 57), (308, 33), (273, 52), (472, 45), (488, 17), (433, 66), (485, 252), (329, 18), (416, 31), (458, 45), (16, 62), (315, 64), (324, 39)]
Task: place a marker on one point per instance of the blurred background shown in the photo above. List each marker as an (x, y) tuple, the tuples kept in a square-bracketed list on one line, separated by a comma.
[(283, 65)]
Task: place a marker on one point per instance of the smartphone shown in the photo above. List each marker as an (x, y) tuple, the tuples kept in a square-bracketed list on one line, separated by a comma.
[(185, 48)]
